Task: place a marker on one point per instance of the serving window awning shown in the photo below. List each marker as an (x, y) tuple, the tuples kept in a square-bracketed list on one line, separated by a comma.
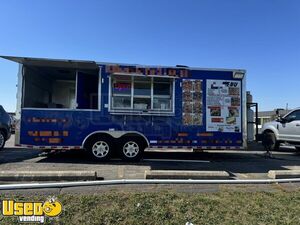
[(58, 63)]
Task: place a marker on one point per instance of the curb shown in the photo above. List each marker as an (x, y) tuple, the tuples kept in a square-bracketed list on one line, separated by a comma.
[(282, 174), (183, 174), (48, 175)]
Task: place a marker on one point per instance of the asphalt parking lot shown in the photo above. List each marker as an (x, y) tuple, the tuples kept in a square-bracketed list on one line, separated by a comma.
[(250, 164)]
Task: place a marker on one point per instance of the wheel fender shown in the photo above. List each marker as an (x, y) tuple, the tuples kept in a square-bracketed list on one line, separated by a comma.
[(114, 134), (272, 129)]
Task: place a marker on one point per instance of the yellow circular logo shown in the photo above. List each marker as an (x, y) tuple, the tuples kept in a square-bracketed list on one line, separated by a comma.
[(52, 209)]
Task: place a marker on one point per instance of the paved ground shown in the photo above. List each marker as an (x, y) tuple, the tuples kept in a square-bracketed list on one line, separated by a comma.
[(240, 164)]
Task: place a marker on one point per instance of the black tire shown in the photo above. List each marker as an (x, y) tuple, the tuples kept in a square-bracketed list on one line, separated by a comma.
[(298, 149), (100, 148), (2, 140), (270, 142), (276, 146), (131, 149)]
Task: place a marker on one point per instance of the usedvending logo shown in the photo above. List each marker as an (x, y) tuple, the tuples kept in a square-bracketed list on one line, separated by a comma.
[(32, 211)]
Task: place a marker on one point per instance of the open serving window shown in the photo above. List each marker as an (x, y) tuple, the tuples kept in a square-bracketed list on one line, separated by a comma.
[(60, 88), (141, 94), (49, 88)]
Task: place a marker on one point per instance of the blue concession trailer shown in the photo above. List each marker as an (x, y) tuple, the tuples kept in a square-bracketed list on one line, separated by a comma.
[(112, 108)]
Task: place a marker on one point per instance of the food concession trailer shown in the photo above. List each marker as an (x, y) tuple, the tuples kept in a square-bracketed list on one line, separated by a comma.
[(112, 108)]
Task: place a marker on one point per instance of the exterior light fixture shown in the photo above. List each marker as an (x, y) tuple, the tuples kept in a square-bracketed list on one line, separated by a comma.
[(238, 75)]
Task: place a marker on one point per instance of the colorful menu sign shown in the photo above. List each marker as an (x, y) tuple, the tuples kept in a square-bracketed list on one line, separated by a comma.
[(192, 103), (223, 111)]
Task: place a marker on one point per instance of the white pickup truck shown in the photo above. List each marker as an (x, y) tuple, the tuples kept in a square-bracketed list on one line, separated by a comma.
[(285, 129)]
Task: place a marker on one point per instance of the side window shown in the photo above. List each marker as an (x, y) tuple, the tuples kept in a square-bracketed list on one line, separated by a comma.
[(162, 94), (294, 115), (121, 92), (142, 93), (298, 115)]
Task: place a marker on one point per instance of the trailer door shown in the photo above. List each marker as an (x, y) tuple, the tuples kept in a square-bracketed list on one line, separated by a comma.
[(87, 89)]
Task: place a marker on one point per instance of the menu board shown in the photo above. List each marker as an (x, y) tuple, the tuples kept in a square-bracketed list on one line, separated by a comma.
[(192, 102), (223, 111)]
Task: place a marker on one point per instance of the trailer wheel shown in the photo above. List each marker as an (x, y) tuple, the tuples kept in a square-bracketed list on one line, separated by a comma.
[(132, 149), (100, 148), (2, 140)]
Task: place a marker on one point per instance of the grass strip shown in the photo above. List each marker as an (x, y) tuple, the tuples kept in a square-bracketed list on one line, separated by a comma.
[(224, 207)]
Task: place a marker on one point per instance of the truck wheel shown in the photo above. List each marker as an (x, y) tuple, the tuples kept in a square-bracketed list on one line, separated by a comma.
[(276, 146), (132, 149), (298, 148), (2, 140), (100, 148), (270, 142)]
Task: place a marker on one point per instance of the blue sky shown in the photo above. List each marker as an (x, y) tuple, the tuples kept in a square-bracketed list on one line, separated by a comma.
[(262, 37)]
